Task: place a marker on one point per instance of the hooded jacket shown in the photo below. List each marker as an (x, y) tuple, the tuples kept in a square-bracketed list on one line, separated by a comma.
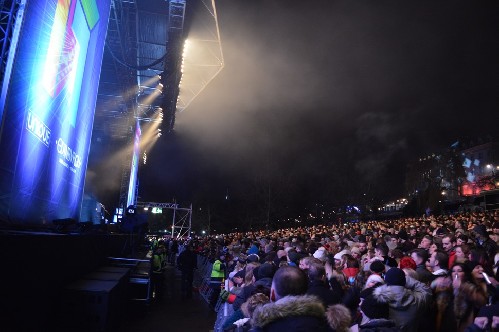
[(247, 291), (408, 305), (291, 313)]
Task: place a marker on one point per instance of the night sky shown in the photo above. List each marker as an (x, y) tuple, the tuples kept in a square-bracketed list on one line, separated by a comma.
[(325, 101)]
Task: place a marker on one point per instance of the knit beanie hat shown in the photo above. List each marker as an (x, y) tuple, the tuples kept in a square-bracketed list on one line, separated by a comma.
[(371, 307), (395, 277)]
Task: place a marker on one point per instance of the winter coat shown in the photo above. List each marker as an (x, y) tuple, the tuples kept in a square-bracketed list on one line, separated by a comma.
[(379, 325), (187, 261), (247, 291), (442, 312), (408, 305), (320, 289), (424, 275), (291, 314)]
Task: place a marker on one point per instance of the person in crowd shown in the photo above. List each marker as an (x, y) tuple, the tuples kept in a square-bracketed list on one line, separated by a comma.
[(426, 242), (249, 273), (339, 318), (420, 256), (433, 247), (470, 294), (240, 264), (344, 239), (407, 262), (305, 262), (449, 245), (413, 232), (391, 241), (239, 321), (263, 280), (290, 308), (484, 241), (438, 263), (374, 280), (293, 258), (173, 251), (487, 320), (375, 314), (217, 277), (353, 283), (351, 268), (462, 253), (381, 251), (355, 252), (462, 239), (187, 263), (403, 242), (254, 249), (339, 260), (480, 256), (317, 284), (377, 267), (253, 258), (362, 245), (157, 275), (408, 299)]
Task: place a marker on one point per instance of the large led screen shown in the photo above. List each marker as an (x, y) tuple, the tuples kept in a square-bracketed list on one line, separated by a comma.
[(49, 109)]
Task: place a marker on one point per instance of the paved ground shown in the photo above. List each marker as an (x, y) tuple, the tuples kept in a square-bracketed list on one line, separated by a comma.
[(172, 314)]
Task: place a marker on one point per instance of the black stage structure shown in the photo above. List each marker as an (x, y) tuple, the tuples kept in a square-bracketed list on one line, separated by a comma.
[(142, 57), (145, 78)]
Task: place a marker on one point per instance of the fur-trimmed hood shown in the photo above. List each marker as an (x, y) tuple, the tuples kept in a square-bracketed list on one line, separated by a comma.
[(288, 306), (395, 296), (408, 305), (400, 297)]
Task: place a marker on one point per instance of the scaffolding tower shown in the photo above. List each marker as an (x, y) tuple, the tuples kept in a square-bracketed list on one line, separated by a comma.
[(181, 220)]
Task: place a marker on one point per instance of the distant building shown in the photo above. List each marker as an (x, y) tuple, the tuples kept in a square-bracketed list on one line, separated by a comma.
[(481, 166), (450, 176)]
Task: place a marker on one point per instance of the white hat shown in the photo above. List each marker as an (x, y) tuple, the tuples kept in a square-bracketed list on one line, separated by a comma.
[(339, 255), (320, 253)]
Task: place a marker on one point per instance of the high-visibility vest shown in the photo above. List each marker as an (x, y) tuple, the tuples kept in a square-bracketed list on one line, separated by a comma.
[(217, 271), (157, 264)]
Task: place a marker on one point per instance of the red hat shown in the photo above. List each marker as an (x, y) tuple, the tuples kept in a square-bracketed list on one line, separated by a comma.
[(407, 262)]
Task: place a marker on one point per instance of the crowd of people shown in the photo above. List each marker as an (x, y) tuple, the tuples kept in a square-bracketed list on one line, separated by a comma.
[(410, 274)]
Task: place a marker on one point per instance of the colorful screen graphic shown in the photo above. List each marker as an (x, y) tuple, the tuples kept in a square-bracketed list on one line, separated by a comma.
[(49, 109)]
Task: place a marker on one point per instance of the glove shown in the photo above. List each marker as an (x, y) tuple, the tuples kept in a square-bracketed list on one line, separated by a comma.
[(224, 295)]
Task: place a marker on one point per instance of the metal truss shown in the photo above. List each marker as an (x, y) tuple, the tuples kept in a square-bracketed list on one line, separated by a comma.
[(11, 17), (181, 220), (202, 57)]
